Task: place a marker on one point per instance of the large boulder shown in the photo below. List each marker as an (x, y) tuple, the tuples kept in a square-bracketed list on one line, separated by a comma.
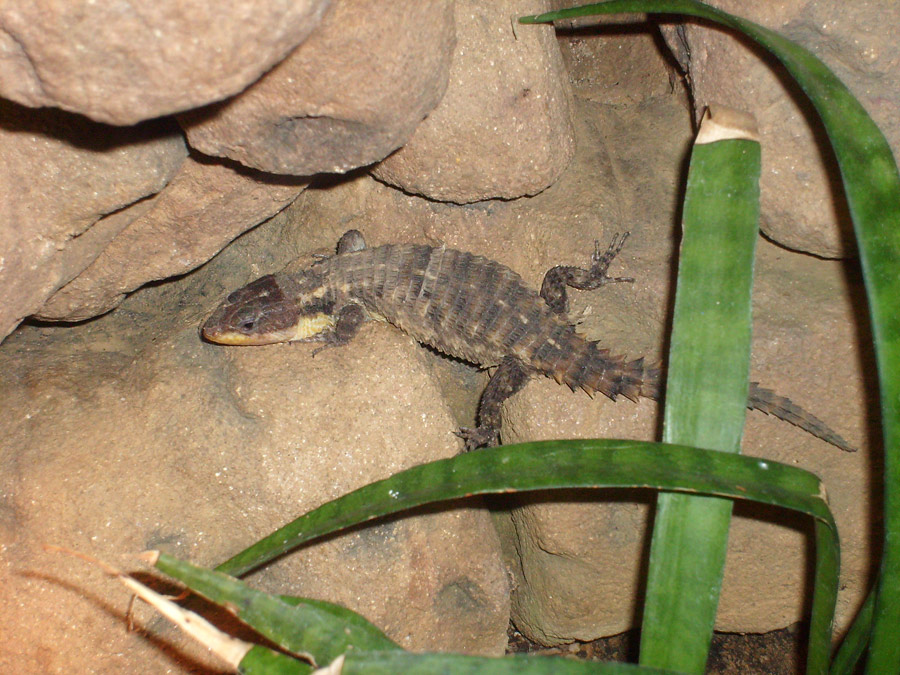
[(123, 63)]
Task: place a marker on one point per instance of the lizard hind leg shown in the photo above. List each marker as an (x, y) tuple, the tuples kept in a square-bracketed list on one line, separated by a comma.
[(510, 376), (553, 288)]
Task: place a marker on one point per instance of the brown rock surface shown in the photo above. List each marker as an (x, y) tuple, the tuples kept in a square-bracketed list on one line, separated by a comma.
[(610, 63), (130, 433), (123, 63), (612, 179), (68, 186), (565, 548), (502, 130), (204, 207), (349, 96), (802, 201), (127, 432)]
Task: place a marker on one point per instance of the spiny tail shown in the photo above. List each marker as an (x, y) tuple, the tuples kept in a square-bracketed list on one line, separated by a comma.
[(595, 369), (783, 408), (583, 365)]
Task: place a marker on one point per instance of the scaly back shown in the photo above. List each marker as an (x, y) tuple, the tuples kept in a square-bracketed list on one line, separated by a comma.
[(476, 309)]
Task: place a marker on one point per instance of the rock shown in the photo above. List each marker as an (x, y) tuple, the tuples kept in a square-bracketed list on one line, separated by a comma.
[(502, 130), (68, 186), (204, 207), (610, 65), (529, 235), (350, 95), (122, 64), (802, 201), (345, 419), (110, 424), (562, 549), (146, 438)]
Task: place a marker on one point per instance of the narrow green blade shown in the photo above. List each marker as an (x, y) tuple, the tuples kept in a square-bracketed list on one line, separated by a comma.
[(578, 463), (706, 395), (263, 661), (872, 188), (322, 630), (391, 663), (856, 640), (549, 465)]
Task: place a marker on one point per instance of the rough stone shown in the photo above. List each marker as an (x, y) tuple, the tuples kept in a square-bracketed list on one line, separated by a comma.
[(68, 186), (612, 62), (123, 63), (129, 434), (802, 200), (562, 549), (502, 130), (203, 208), (111, 423), (349, 96)]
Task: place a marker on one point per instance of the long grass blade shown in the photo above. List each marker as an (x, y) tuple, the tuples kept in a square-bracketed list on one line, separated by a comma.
[(707, 386), (565, 464), (321, 630), (872, 188)]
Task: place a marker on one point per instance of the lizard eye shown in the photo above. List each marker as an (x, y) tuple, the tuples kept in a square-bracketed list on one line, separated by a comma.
[(248, 325)]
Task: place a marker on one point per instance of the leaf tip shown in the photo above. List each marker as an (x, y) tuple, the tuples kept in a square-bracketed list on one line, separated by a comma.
[(721, 123), (149, 557)]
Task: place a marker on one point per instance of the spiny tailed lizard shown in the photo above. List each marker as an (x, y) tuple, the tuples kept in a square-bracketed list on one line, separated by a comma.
[(464, 305)]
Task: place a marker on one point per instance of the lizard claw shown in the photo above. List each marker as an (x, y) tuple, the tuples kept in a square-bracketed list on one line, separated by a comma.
[(600, 261), (478, 437), (322, 348)]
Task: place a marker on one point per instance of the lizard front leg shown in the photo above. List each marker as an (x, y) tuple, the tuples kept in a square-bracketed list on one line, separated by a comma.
[(349, 320), (553, 289), (351, 240), (510, 376)]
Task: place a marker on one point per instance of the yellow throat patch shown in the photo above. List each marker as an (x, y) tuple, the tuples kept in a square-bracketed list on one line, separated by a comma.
[(311, 325)]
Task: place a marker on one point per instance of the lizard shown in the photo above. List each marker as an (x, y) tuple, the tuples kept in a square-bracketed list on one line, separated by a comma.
[(466, 306)]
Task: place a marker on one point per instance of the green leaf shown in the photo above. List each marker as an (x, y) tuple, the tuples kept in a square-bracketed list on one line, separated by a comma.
[(322, 630), (391, 663), (527, 466), (581, 463), (706, 395), (855, 642), (263, 661), (872, 188)]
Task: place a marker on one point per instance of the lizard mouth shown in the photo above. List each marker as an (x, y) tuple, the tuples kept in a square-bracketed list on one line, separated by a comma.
[(232, 337), (305, 328)]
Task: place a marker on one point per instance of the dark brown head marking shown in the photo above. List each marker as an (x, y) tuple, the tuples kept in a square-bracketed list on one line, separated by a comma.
[(257, 314)]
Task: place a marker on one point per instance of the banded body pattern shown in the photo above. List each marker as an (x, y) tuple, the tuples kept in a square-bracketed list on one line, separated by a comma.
[(476, 309)]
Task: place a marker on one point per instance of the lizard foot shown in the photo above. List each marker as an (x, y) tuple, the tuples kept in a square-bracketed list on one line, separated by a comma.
[(553, 288), (600, 261), (479, 437)]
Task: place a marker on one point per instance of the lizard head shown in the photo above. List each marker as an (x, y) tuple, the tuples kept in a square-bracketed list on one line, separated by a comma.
[(262, 313)]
